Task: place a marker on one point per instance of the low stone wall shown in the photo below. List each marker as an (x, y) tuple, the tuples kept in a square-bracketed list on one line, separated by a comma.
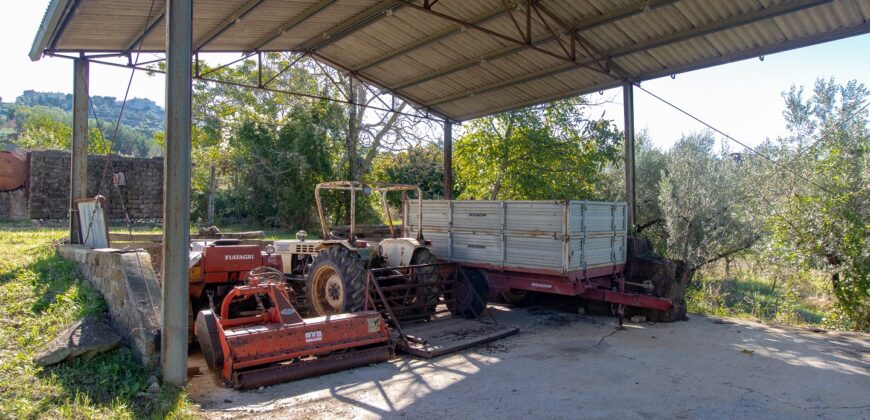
[(13, 205), (128, 284)]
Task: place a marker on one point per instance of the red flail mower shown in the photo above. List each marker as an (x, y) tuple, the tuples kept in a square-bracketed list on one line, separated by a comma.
[(259, 338)]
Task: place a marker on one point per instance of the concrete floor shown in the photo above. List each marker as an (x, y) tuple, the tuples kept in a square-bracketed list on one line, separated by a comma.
[(563, 365)]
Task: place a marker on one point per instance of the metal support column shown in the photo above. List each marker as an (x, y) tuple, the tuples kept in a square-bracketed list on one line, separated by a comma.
[(176, 192), (448, 160), (630, 196), (78, 179)]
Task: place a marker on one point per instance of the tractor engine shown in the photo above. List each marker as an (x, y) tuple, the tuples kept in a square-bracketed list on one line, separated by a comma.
[(220, 266)]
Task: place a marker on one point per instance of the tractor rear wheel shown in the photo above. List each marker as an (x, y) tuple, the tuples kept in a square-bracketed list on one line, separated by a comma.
[(336, 282), (467, 299)]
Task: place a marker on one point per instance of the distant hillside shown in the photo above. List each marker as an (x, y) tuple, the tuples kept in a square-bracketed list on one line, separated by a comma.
[(142, 118)]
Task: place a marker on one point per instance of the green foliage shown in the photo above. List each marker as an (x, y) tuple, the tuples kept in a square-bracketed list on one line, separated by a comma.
[(760, 292), (824, 217), (41, 125), (703, 201), (551, 151), (420, 165), (285, 166), (41, 294)]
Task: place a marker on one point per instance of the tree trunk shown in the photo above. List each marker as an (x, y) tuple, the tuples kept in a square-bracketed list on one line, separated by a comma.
[(211, 191), (505, 161)]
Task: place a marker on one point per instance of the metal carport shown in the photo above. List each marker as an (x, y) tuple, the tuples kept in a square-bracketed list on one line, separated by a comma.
[(455, 59)]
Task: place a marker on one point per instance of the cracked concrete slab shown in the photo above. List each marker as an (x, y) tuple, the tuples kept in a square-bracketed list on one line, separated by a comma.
[(563, 365)]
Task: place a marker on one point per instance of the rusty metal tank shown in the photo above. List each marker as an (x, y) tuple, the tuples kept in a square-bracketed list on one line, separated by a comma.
[(13, 171)]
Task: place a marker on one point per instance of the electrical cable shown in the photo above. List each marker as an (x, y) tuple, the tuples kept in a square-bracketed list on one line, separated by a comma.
[(768, 158)]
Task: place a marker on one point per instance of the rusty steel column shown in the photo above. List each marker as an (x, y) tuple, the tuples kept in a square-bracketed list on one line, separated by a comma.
[(630, 195), (78, 173), (176, 192), (448, 160)]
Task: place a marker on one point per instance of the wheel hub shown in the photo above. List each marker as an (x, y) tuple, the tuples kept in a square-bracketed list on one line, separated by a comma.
[(334, 292)]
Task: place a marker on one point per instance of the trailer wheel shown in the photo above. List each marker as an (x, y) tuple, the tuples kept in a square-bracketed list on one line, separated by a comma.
[(336, 282), (518, 297), (467, 299), (428, 276)]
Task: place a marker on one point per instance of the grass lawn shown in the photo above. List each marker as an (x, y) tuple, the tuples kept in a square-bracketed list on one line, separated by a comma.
[(40, 294)]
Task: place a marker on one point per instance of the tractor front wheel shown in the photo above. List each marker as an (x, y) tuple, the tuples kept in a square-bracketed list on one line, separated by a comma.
[(336, 282)]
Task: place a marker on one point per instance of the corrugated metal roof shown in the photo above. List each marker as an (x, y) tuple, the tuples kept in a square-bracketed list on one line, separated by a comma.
[(464, 59)]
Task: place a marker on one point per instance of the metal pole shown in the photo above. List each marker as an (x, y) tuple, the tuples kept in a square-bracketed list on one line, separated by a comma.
[(448, 160), (630, 195), (176, 192), (78, 179)]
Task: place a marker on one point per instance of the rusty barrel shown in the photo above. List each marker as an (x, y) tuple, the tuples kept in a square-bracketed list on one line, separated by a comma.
[(13, 171)]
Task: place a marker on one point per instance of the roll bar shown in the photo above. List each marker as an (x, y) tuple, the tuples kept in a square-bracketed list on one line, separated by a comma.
[(380, 187)]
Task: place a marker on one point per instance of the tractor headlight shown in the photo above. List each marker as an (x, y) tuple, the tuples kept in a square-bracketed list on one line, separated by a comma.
[(366, 190), (301, 235), (269, 249)]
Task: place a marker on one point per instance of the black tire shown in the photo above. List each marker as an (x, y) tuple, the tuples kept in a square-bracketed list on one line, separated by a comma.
[(209, 340), (467, 299), (518, 297), (336, 282), (429, 276)]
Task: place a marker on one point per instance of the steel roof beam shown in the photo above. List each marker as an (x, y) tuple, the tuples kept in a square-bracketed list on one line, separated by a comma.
[(579, 27), (155, 19), (229, 21), (348, 27), (428, 40), (725, 24), (289, 25), (561, 68), (730, 23)]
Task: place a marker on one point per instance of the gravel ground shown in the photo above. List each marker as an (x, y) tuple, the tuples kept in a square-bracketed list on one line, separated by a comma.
[(563, 365)]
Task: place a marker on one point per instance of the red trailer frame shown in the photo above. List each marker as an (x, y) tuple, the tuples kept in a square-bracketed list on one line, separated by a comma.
[(606, 284)]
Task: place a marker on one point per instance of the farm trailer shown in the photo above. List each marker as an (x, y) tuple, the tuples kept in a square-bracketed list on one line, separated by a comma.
[(572, 248)]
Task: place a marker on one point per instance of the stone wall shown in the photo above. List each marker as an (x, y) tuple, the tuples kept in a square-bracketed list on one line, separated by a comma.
[(13, 205), (48, 194), (132, 293)]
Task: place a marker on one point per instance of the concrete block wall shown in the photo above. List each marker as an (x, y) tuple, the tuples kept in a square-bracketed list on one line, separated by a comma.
[(128, 284), (49, 185)]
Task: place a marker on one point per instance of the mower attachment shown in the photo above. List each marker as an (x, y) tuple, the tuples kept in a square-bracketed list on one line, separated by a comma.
[(259, 339), (433, 309)]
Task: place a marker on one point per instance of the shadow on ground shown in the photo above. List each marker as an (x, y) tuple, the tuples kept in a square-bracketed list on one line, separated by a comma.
[(565, 365)]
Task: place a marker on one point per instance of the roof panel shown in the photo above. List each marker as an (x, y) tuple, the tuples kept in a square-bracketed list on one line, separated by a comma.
[(470, 58)]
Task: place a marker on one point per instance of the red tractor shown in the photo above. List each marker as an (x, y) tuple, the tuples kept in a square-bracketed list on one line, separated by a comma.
[(221, 265)]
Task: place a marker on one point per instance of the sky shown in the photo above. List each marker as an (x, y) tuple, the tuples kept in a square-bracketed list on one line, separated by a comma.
[(742, 99)]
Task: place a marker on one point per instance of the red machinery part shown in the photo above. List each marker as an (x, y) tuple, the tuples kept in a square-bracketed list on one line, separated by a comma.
[(13, 171), (245, 348), (228, 264)]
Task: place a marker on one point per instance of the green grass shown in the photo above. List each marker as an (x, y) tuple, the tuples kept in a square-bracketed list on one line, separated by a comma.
[(797, 300), (41, 294)]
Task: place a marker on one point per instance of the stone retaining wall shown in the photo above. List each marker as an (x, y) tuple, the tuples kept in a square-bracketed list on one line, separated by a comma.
[(128, 284)]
